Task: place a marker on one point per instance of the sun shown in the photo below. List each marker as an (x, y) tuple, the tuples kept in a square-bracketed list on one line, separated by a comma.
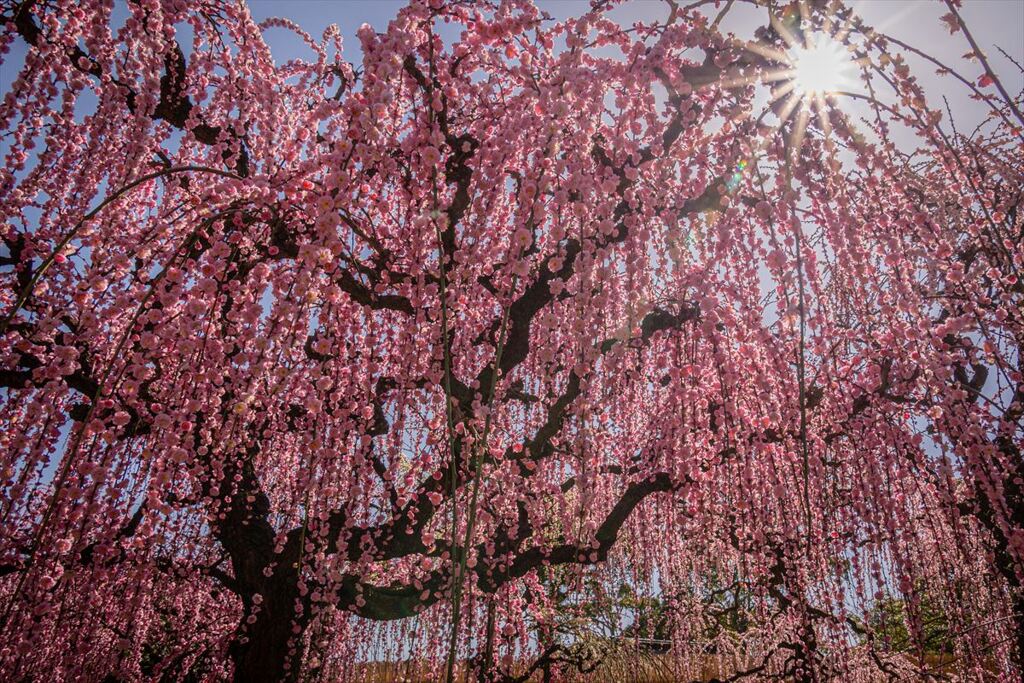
[(808, 71), (820, 66)]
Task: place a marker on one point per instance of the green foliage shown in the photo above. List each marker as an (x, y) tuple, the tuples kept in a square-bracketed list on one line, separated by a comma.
[(727, 606), (899, 627)]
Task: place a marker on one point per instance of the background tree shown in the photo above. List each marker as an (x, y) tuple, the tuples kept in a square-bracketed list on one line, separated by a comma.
[(890, 621), (314, 363)]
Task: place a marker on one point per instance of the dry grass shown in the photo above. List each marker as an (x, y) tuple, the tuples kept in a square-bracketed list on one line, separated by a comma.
[(624, 669)]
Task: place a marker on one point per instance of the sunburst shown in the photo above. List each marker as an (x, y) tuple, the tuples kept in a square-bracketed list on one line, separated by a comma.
[(821, 66), (806, 72)]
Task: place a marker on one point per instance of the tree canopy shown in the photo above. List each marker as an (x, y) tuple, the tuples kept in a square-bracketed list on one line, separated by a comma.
[(311, 365)]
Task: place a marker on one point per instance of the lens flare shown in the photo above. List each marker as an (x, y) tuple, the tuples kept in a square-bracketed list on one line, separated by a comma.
[(820, 66)]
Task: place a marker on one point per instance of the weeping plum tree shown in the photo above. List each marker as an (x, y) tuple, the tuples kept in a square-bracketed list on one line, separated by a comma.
[(307, 366)]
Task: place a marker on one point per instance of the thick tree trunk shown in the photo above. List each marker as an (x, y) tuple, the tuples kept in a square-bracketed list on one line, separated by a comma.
[(247, 535), (265, 654), (1018, 611), (1005, 562)]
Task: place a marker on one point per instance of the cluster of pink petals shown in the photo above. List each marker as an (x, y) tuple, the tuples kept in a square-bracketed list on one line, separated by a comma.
[(269, 331)]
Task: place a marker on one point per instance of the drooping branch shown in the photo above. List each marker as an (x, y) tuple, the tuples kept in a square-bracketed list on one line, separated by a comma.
[(400, 536), (398, 601), (174, 105)]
